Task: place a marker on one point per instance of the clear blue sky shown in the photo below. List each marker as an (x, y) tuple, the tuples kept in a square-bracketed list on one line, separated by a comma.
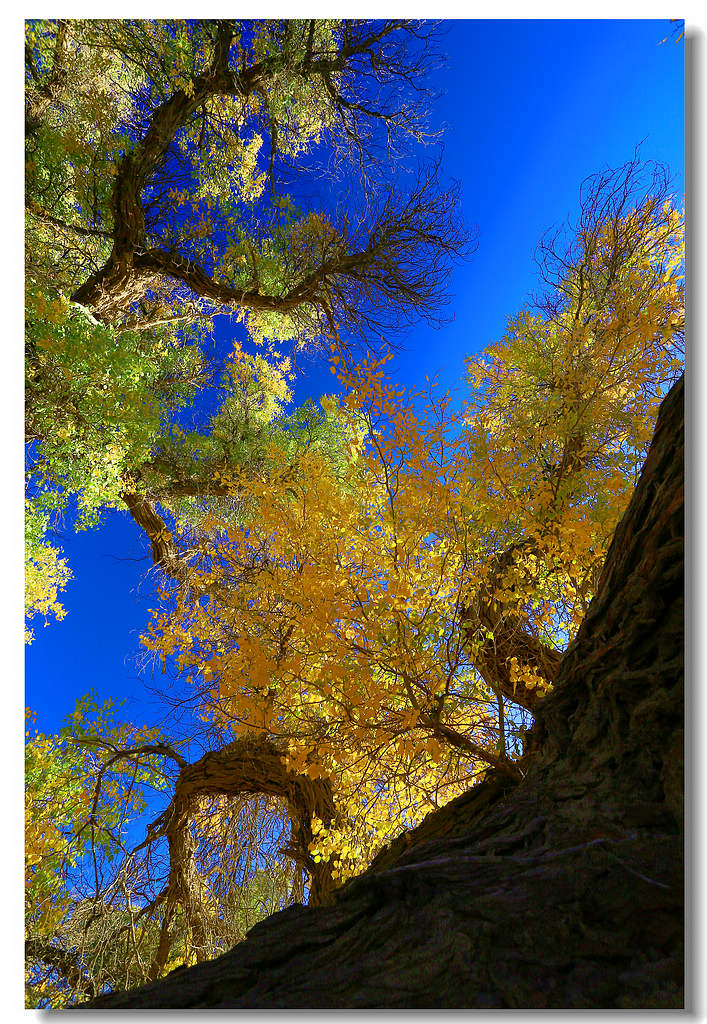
[(532, 108)]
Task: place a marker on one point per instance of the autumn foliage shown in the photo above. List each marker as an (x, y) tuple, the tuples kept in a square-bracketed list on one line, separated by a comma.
[(363, 598), (382, 619)]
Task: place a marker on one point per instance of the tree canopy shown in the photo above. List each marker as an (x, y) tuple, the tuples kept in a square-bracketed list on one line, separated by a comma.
[(367, 596)]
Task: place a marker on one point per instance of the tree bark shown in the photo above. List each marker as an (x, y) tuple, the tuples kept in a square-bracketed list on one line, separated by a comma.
[(136, 262), (165, 553), (562, 891), (249, 765)]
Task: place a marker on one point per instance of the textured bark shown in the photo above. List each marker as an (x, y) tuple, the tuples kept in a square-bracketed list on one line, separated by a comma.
[(562, 891), (134, 264), (111, 290), (511, 640), (250, 765), (165, 553)]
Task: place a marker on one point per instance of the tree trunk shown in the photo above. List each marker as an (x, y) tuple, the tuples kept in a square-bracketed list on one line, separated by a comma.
[(562, 891)]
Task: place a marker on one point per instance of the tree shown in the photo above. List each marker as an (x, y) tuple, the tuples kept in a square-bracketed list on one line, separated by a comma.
[(368, 595), (78, 810), (155, 160), (154, 203), (358, 634), (569, 402), (383, 625), (181, 111), (564, 890), (106, 912)]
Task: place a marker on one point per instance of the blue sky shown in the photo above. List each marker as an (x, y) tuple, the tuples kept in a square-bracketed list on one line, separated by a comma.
[(532, 108)]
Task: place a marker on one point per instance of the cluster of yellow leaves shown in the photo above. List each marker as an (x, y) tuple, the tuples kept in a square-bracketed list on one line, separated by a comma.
[(351, 627), (53, 310), (46, 573), (566, 407), (54, 798), (528, 676), (348, 627)]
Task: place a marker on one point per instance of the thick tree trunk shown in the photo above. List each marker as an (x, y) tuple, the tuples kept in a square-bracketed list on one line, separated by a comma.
[(562, 891), (248, 765)]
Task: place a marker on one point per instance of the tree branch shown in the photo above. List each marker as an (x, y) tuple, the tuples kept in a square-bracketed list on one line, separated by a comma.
[(165, 553), (77, 229), (62, 960)]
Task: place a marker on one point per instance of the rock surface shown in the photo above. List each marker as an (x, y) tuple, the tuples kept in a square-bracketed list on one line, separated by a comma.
[(563, 891)]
